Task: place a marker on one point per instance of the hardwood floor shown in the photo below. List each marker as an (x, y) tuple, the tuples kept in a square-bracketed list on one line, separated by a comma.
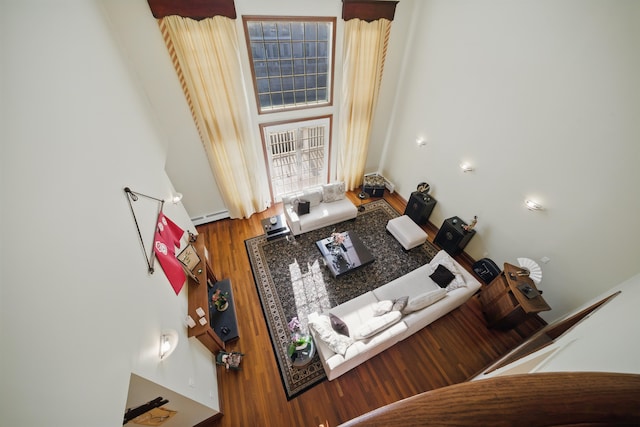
[(448, 351)]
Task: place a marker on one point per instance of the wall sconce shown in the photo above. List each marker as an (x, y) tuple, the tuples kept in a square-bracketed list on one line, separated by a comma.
[(168, 343), (421, 142), (176, 198), (466, 167), (533, 205)]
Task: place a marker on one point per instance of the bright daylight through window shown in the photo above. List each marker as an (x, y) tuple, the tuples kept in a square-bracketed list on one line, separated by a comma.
[(296, 154), (291, 61)]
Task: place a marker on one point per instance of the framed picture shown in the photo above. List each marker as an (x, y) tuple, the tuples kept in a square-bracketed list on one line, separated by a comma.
[(189, 257)]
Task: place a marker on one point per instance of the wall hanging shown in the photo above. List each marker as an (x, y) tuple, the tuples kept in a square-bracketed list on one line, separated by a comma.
[(166, 238)]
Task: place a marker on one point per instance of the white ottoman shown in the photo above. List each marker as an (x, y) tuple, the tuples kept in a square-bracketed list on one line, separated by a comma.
[(407, 232)]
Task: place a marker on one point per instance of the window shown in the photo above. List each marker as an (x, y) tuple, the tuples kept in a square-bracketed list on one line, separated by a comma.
[(296, 154), (292, 61)]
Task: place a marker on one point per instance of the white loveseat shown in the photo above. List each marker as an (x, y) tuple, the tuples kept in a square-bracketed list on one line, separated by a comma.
[(369, 333), (328, 205)]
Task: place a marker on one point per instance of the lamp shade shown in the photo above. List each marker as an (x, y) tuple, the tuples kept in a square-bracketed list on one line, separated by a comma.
[(535, 272), (168, 343)]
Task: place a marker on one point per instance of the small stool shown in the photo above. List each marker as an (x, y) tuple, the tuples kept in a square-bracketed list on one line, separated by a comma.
[(407, 232)]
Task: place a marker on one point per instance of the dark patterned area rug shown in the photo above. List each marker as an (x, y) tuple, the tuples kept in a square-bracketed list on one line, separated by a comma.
[(292, 280)]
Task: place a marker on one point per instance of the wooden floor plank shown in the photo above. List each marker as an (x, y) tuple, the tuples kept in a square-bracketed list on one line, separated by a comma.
[(446, 352)]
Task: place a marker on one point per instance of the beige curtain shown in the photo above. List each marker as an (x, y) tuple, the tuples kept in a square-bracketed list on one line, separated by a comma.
[(205, 55), (365, 48)]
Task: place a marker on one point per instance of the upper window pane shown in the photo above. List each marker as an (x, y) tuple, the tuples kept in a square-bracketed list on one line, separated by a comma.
[(295, 51)]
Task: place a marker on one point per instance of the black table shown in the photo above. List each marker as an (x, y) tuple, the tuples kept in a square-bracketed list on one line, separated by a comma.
[(352, 254), (224, 323), (452, 237), (275, 226)]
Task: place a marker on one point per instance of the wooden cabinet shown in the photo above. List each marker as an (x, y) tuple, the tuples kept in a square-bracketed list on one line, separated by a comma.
[(199, 298), (504, 303)]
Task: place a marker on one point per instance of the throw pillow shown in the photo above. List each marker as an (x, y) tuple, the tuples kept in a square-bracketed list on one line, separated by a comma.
[(338, 325), (424, 300), (333, 192), (456, 283), (442, 276), (302, 207), (322, 325), (400, 304), (377, 324), (383, 307), (444, 259)]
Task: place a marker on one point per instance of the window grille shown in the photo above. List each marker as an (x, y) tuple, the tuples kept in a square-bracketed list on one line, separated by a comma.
[(296, 155), (292, 61)]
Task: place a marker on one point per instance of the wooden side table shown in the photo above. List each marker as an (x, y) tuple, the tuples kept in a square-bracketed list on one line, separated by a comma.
[(199, 283), (504, 302)]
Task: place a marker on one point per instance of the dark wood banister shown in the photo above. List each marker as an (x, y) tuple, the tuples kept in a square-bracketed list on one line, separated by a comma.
[(543, 399)]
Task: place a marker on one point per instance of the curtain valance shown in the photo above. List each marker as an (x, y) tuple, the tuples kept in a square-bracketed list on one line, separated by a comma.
[(368, 10), (194, 9)]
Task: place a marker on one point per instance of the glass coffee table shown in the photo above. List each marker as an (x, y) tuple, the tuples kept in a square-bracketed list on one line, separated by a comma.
[(302, 354), (350, 255)]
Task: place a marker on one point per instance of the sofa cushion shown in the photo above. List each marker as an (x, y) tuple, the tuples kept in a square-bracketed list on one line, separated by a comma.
[(442, 276), (377, 324), (400, 303), (289, 199), (411, 284), (313, 195), (424, 300), (383, 307), (338, 325), (322, 325), (444, 259), (333, 192)]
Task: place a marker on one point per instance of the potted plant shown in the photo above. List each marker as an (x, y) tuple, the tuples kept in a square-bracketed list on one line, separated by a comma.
[(337, 239), (299, 340), (220, 300)]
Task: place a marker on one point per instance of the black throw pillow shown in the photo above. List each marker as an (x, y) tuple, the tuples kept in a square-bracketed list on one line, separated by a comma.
[(302, 207), (338, 325), (442, 276)]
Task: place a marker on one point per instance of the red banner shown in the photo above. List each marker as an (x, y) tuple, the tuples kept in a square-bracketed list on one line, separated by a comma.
[(165, 241)]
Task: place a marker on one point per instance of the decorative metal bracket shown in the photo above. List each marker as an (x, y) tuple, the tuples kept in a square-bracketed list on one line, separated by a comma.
[(132, 196)]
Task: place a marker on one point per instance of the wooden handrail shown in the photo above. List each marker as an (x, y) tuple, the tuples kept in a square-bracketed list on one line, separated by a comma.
[(544, 399)]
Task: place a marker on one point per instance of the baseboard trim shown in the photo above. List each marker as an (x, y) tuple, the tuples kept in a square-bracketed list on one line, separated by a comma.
[(211, 217)]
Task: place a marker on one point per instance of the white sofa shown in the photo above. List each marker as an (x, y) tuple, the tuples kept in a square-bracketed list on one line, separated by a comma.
[(359, 314), (328, 205)]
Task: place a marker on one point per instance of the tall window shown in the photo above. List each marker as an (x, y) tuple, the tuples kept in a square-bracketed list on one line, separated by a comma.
[(297, 154), (292, 61)]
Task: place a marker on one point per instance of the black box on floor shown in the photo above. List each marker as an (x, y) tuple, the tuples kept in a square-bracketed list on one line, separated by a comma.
[(373, 185)]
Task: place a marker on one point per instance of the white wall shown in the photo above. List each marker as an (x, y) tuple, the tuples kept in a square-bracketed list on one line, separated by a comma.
[(542, 97), (138, 35), (79, 313), (603, 342), (187, 165)]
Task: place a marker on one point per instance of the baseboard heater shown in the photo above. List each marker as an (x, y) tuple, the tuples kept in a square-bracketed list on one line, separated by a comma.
[(211, 217)]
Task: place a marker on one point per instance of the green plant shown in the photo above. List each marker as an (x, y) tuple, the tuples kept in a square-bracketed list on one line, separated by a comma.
[(219, 298)]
